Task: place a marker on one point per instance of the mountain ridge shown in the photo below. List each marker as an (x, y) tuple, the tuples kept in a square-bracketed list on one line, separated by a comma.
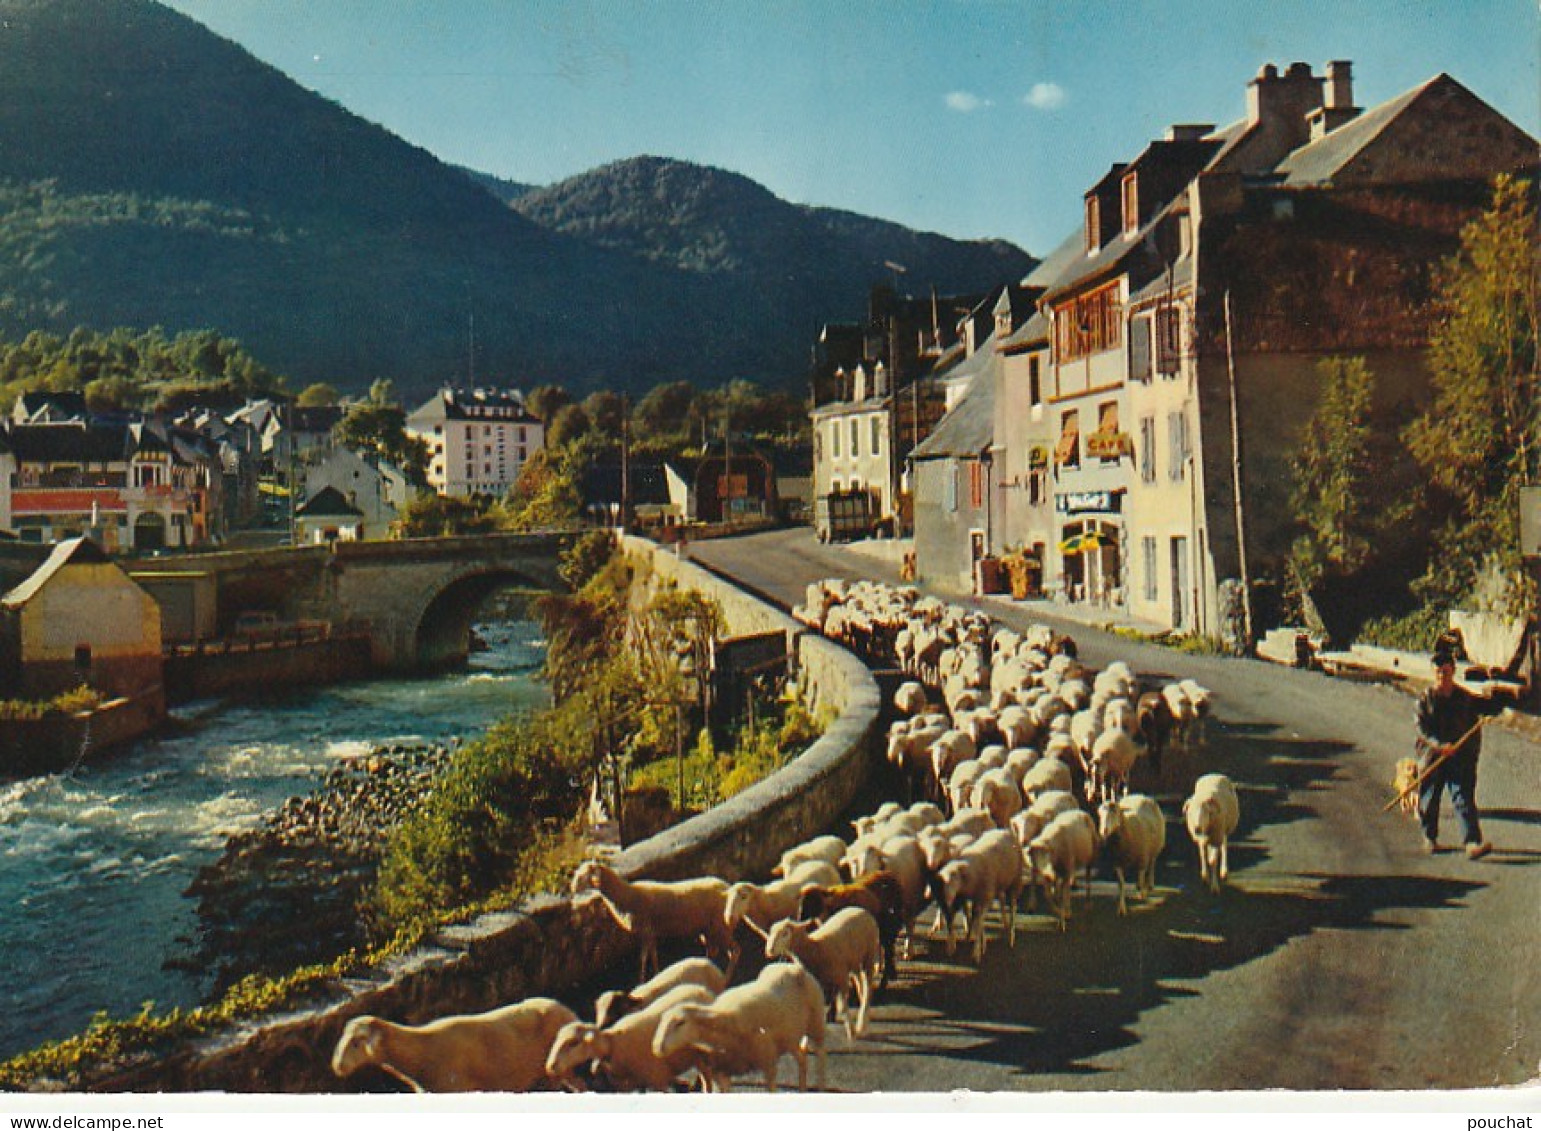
[(154, 173)]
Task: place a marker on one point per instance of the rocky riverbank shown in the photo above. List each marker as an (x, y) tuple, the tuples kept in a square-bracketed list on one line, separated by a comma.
[(288, 893)]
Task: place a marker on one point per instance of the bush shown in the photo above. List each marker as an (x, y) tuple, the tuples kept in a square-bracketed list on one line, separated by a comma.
[(65, 703)]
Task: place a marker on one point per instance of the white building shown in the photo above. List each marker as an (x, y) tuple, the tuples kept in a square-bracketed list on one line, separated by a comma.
[(375, 487), (478, 440)]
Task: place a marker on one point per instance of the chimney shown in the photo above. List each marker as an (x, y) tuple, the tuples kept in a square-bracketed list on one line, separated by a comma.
[(1338, 106), (1281, 104), (1190, 131), (1340, 85)]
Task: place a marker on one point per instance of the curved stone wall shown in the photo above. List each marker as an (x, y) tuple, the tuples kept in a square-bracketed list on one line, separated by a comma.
[(549, 945)]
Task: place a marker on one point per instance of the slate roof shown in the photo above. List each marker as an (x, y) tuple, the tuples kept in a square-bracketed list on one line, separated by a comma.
[(71, 551), (328, 503), (1317, 162), (72, 442), (969, 429), (62, 404)]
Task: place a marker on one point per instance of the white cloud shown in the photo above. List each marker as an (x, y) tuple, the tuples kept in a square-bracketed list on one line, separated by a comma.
[(1045, 96), (965, 103)]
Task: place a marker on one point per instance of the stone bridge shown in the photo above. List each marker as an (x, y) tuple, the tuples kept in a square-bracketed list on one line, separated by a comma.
[(415, 597)]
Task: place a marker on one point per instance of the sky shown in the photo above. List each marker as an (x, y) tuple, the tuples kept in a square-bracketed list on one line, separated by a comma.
[(973, 118)]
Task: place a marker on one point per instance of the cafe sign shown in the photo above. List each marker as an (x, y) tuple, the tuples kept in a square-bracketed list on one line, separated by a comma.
[(1077, 502), (1109, 445), (1037, 457)]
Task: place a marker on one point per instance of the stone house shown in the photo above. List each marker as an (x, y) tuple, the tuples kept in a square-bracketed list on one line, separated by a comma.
[(327, 517), (955, 478), (1215, 260), (79, 619), (374, 487)]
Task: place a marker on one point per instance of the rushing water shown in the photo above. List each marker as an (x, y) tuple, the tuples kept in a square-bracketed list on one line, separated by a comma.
[(93, 866)]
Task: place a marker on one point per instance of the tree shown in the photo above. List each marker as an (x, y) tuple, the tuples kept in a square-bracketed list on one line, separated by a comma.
[(1334, 473), (570, 424), (659, 419), (381, 429), (605, 411), (545, 400), (546, 494), (317, 396), (1480, 440), (427, 515)]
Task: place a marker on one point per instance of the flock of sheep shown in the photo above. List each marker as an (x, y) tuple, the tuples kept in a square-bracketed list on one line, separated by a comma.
[(1018, 761)]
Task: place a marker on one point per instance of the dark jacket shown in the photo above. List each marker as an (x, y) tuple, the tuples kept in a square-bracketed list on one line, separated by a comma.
[(1445, 718)]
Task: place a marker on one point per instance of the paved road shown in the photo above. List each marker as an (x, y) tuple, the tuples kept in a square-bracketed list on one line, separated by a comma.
[(1341, 956)]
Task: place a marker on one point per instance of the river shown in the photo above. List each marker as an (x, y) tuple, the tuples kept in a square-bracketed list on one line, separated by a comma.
[(93, 865)]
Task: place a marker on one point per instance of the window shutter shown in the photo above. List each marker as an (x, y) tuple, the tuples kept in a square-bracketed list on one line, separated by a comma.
[(1139, 349)]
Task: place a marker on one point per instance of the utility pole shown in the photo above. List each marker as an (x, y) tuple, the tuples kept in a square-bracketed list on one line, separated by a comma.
[(1236, 489), (625, 461)]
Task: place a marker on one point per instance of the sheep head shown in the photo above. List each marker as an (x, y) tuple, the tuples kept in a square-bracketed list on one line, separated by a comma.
[(572, 1048), (359, 1045), (783, 936)]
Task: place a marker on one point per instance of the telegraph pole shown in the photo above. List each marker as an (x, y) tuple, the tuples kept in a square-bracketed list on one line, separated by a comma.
[(1241, 524)]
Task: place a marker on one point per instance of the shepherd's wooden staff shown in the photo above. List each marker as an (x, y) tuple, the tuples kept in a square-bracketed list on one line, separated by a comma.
[(1423, 776)]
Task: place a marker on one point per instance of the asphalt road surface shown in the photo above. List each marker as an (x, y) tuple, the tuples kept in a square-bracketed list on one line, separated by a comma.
[(1339, 957)]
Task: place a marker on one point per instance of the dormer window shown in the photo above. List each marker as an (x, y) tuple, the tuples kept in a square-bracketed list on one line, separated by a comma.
[(1131, 197)]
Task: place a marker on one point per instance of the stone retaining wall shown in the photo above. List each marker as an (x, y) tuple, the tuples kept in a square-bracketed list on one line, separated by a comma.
[(550, 945)]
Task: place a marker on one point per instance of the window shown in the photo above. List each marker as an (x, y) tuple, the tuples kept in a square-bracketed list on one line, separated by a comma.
[(521, 433), (1168, 340), (1177, 436), (1035, 380), (1139, 349), (1148, 450), (1068, 453), (1131, 204), (855, 438), (834, 439), (1093, 232), (1148, 546), (876, 438), (1089, 324), (976, 484), (1037, 488)]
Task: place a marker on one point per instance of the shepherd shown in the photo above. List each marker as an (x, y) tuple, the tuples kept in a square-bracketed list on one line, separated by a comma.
[(1449, 742)]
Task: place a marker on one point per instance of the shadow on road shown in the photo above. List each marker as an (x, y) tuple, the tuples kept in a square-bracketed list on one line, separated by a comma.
[(1059, 1000)]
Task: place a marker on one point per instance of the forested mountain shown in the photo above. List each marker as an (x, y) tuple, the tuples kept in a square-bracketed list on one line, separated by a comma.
[(152, 173)]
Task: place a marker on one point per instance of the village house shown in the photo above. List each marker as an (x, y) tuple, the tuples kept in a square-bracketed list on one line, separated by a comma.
[(372, 486), (79, 619), (1212, 273), (327, 517), (874, 399), (478, 440), (136, 485), (7, 473)]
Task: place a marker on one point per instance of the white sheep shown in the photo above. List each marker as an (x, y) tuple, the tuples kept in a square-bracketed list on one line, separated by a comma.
[(844, 954), (998, 793), (1112, 759), (654, 909), (910, 698), (960, 785), (612, 1005), (761, 905), (750, 1027), (624, 1051), (828, 848), (503, 1050), (1066, 846), (1044, 775), (1134, 831), (1212, 813), (1036, 817), (987, 871)]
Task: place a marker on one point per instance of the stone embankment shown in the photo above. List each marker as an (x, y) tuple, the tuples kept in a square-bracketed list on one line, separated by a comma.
[(552, 945)]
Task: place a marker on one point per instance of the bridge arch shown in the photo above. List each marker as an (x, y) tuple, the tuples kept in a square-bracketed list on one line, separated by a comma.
[(441, 637)]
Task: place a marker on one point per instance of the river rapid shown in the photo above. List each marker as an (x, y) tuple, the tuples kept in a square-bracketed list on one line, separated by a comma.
[(93, 865)]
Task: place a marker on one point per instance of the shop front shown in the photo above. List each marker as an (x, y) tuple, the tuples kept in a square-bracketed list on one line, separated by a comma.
[(1091, 547)]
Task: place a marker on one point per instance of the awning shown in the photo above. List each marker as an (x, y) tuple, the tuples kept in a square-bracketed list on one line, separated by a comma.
[(1086, 540), (1066, 451)]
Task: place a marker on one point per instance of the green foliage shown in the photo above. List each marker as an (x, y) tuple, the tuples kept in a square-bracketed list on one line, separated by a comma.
[(378, 425), (586, 557), (1414, 632), (1335, 470), (318, 395), (65, 703), (499, 804), (129, 369), (546, 494), (428, 515), (1479, 441), (545, 401), (569, 425)]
